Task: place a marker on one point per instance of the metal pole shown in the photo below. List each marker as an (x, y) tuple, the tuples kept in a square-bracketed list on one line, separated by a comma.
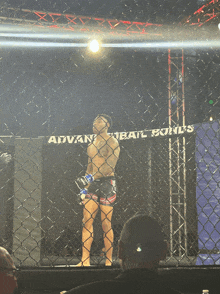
[(184, 152), (170, 153), (177, 158)]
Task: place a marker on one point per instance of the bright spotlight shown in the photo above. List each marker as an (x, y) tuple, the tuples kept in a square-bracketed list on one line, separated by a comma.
[(219, 26), (94, 46), (211, 118)]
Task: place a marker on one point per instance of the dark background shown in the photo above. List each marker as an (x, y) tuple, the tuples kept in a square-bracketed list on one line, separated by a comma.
[(60, 92)]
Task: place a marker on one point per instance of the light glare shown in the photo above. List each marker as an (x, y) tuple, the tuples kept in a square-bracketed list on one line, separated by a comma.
[(23, 44), (94, 46), (168, 45)]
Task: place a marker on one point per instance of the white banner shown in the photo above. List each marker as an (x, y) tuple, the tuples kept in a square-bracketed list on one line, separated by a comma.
[(123, 135)]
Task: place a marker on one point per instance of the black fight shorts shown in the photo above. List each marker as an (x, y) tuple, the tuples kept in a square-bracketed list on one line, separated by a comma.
[(103, 191)]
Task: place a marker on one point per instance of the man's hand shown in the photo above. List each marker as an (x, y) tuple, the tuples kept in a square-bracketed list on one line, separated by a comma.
[(84, 181), (81, 196), (6, 158)]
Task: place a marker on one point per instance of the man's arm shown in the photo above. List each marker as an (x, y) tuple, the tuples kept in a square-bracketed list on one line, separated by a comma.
[(113, 153), (84, 181), (89, 170), (89, 167)]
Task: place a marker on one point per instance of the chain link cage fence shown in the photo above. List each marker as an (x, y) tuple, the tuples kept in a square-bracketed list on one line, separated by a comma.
[(164, 105)]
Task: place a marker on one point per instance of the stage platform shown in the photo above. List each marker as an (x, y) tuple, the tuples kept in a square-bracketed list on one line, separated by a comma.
[(98, 261)]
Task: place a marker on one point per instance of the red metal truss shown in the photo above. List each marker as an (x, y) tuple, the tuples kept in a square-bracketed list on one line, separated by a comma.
[(77, 23), (71, 22), (204, 14)]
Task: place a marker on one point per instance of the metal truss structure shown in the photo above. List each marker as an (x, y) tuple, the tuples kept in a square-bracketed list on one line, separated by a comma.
[(177, 155), (73, 23), (207, 13)]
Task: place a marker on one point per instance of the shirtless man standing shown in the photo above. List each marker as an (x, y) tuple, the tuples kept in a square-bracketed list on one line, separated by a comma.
[(98, 187)]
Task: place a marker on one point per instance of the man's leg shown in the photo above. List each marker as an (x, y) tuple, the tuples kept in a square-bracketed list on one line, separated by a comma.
[(89, 213), (106, 217)]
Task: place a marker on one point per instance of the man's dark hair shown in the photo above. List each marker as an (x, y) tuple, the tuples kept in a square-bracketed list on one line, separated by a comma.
[(107, 117), (143, 238)]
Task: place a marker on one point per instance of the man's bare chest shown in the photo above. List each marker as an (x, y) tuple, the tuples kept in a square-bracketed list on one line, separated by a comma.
[(99, 149)]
